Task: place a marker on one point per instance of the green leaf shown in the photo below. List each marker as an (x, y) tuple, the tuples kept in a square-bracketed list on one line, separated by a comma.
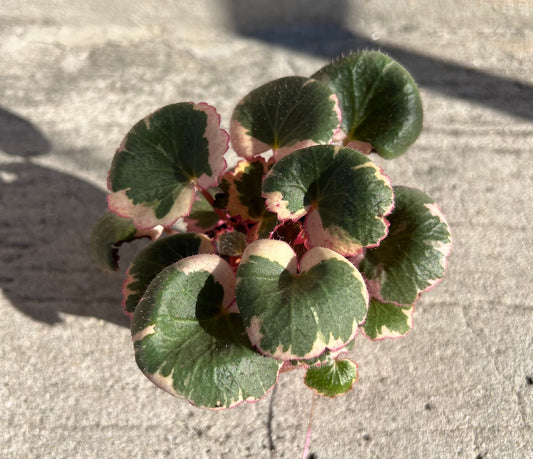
[(245, 200), (412, 258), (154, 172), (345, 195), (297, 315), (108, 233), (244, 190), (284, 115), (387, 320), (379, 101), (332, 378), (150, 261), (202, 217), (188, 343)]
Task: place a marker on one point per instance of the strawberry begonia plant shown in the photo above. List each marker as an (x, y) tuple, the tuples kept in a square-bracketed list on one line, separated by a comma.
[(287, 255)]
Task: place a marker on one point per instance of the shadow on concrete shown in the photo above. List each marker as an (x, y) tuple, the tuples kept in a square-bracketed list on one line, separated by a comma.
[(319, 28), (46, 219)]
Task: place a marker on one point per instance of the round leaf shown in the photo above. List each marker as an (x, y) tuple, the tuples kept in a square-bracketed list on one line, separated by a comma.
[(150, 261), (153, 174), (332, 378), (387, 320), (379, 101), (189, 344), (284, 115), (291, 315), (345, 195), (412, 258)]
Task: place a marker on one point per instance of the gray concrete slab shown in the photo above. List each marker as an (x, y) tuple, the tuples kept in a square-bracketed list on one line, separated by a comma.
[(74, 76)]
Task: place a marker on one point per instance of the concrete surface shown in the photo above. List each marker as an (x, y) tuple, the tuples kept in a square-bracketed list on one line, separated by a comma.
[(74, 76)]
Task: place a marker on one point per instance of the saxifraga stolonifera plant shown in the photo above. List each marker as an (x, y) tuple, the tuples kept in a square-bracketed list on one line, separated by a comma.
[(287, 255)]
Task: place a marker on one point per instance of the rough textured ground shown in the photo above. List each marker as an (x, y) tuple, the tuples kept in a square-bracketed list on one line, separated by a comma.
[(74, 76)]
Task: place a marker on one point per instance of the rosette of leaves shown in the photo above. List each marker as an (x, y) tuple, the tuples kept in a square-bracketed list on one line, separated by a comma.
[(289, 253)]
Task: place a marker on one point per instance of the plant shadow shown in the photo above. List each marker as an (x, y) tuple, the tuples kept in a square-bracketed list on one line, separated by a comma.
[(46, 220), (319, 28)]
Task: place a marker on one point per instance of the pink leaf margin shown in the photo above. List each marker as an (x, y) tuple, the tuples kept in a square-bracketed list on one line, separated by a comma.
[(246, 146), (143, 216), (374, 286)]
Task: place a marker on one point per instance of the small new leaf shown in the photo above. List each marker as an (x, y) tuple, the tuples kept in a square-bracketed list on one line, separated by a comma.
[(332, 377), (244, 190)]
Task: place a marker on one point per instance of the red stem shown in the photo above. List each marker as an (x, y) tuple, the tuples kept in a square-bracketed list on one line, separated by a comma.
[(309, 427), (211, 202)]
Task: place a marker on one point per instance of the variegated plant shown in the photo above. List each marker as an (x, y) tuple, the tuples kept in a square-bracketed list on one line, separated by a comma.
[(283, 258)]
